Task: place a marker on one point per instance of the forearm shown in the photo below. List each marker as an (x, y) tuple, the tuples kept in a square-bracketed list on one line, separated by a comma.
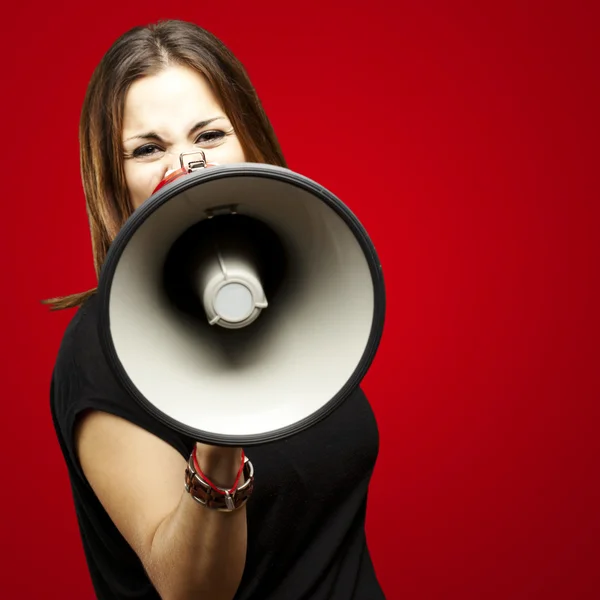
[(196, 550)]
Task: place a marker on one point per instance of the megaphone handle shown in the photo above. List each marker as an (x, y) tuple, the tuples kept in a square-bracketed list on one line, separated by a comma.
[(185, 169)]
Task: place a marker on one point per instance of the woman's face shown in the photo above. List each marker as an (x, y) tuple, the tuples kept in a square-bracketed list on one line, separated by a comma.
[(168, 114)]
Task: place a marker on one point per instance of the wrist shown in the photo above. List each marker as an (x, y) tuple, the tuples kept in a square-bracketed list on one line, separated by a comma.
[(220, 464)]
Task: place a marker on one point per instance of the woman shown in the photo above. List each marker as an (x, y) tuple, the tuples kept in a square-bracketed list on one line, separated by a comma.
[(160, 91)]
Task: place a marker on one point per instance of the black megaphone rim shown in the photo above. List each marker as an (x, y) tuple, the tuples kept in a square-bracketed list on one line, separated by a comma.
[(220, 172)]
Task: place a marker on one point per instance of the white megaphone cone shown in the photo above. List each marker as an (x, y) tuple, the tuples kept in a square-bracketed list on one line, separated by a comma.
[(241, 303)]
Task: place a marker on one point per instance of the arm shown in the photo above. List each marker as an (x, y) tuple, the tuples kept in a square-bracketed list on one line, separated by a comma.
[(186, 549)]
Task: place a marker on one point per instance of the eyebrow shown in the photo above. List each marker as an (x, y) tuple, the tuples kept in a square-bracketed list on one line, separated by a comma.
[(151, 135)]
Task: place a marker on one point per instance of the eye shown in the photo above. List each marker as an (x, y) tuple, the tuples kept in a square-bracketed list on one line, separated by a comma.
[(211, 138), (146, 151)]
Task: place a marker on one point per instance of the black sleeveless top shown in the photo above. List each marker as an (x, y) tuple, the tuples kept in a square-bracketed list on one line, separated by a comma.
[(306, 517)]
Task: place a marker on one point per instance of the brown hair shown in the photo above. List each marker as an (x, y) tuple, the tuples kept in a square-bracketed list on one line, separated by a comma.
[(140, 52)]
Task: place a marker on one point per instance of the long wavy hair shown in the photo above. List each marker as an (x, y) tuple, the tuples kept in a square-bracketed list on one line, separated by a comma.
[(140, 52)]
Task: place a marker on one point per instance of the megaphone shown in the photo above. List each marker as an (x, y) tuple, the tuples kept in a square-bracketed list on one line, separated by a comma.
[(241, 304)]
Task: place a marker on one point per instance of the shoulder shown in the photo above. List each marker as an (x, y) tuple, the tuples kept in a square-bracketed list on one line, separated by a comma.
[(80, 336), (82, 376)]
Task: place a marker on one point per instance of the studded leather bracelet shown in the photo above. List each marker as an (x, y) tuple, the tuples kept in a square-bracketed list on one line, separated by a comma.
[(206, 493)]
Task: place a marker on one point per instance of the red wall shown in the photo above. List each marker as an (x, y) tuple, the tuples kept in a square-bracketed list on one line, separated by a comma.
[(461, 134)]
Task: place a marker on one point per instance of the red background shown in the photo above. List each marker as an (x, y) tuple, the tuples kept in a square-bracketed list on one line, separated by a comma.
[(463, 135)]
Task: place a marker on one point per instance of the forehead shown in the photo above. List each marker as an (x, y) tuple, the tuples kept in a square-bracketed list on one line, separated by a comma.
[(168, 101)]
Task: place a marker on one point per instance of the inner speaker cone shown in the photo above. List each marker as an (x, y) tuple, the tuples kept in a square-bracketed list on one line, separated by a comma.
[(209, 266)]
